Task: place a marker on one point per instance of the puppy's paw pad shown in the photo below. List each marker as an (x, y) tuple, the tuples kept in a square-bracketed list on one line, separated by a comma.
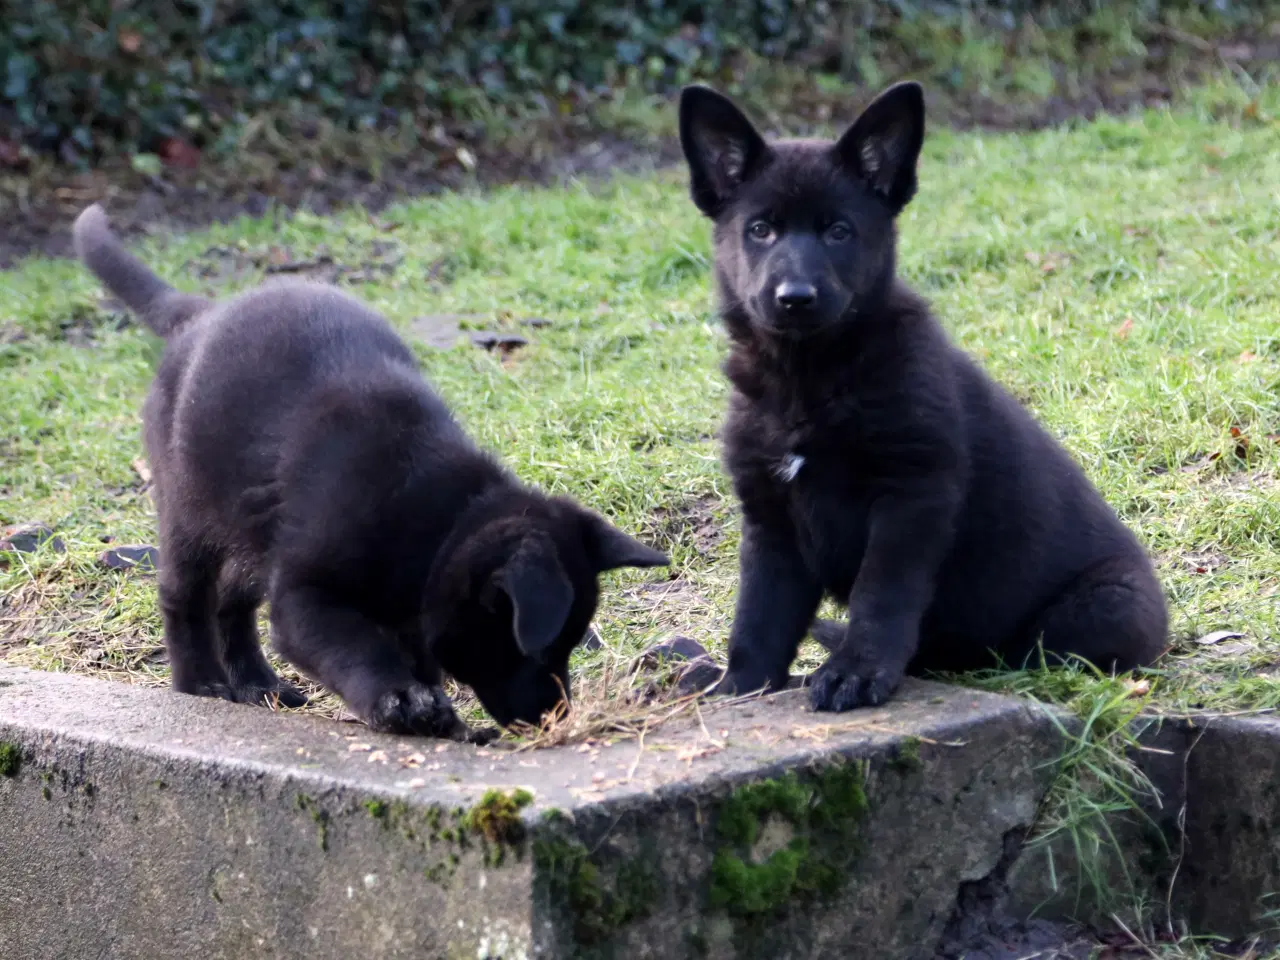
[(839, 687), (478, 735), (415, 710)]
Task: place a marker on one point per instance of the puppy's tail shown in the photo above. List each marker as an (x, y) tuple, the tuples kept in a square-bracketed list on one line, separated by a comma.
[(160, 306)]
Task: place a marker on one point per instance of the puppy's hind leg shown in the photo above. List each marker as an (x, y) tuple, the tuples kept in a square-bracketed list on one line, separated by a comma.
[(251, 677), (188, 578), (1113, 616)]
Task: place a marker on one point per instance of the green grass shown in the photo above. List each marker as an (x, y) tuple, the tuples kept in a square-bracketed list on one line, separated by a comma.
[(1120, 277)]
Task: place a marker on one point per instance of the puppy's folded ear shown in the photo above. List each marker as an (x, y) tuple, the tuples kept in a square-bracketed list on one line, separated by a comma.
[(722, 147), (610, 548), (883, 145), (541, 596)]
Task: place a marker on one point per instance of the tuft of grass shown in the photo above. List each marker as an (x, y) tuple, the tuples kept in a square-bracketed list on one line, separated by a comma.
[(1096, 778), (1117, 275)]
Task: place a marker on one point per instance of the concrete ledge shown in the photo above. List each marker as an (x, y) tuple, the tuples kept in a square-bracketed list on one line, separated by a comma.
[(139, 823)]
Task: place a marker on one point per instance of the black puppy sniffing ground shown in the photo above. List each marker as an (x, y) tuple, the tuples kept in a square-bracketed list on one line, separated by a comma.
[(299, 456)]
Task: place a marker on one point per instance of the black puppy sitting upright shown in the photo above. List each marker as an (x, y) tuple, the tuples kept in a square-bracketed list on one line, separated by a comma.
[(875, 461), (299, 455)]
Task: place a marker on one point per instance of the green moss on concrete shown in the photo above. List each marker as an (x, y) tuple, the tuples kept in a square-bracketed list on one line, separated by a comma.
[(379, 810), (10, 759), (497, 816), (318, 816), (597, 908), (906, 757), (497, 821), (824, 813)]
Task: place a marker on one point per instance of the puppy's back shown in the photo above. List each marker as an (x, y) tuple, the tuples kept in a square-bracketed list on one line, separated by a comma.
[(242, 382)]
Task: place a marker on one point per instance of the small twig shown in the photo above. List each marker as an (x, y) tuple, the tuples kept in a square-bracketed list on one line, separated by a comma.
[(639, 752), (1182, 828), (1145, 948), (703, 724)]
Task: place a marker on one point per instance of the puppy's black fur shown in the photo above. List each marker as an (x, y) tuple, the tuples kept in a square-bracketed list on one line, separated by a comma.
[(875, 461), (299, 455)]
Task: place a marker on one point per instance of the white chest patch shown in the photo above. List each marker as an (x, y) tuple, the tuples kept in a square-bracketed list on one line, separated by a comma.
[(789, 467)]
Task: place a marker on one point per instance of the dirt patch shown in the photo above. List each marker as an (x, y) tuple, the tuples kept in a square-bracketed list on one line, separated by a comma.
[(1204, 561), (692, 523), (222, 265), (1242, 484), (669, 596), (38, 207), (83, 324)]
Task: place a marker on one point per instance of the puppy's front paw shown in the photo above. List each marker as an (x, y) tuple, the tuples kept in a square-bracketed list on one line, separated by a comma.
[(734, 684), (416, 710), (841, 684), (282, 692), (478, 735)]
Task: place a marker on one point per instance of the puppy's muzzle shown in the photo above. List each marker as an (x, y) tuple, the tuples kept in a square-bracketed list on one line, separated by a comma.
[(795, 296)]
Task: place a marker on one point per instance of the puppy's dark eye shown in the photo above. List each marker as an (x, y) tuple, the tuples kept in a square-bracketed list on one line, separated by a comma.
[(839, 233), (760, 230)]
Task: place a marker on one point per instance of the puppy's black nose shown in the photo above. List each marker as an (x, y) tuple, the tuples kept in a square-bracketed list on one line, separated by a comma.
[(793, 295)]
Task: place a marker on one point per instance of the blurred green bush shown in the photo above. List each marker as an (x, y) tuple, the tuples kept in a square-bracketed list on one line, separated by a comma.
[(88, 77)]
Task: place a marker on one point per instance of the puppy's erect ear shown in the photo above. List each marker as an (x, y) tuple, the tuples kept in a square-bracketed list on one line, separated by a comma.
[(722, 147), (883, 145), (541, 596), (610, 548)]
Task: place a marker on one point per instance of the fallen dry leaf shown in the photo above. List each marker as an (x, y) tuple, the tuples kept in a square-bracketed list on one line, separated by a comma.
[(1047, 262), (1246, 356), (178, 153), (690, 754), (359, 747), (1137, 688), (1214, 151), (1217, 636), (130, 41), (12, 156), (143, 471), (1122, 331), (1242, 442)]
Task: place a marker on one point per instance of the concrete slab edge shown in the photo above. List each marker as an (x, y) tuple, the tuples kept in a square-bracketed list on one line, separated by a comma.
[(135, 822)]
